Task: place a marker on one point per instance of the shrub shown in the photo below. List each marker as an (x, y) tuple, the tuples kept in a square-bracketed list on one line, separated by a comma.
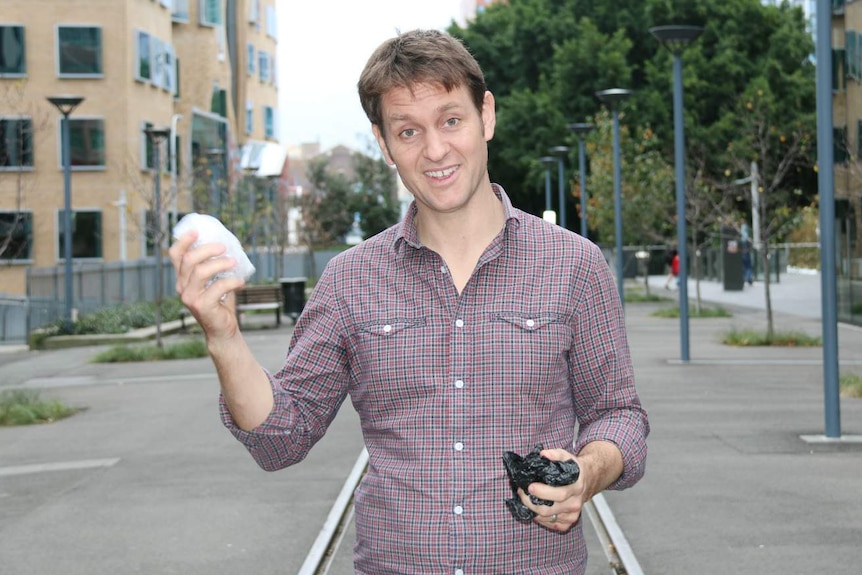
[(750, 337), (123, 353), (120, 319), (25, 407)]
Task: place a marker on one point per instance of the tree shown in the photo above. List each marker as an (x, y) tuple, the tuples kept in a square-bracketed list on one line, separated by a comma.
[(326, 213), (376, 194), (20, 130), (545, 59)]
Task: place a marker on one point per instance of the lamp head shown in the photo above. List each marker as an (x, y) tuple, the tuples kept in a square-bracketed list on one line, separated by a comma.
[(613, 96), (548, 160), (581, 129), (559, 150), (675, 38), (65, 102)]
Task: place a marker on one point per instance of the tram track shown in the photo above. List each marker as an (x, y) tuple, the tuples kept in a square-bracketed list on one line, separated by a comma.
[(320, 559)]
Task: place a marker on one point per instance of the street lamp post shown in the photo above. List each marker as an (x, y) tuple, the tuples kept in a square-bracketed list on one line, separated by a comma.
[(582, 130), (156, 136), (548, 161), (614, 97), (66, 104), (675, 39), (560, 152)]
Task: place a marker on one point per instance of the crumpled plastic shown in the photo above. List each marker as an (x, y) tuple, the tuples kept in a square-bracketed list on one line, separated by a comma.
[(533, 468), (211, 230)]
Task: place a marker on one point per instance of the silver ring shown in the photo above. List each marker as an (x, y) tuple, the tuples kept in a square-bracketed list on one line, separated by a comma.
[(554, 518)]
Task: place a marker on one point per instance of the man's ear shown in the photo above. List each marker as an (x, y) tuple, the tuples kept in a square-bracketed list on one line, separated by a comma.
[(489, 115), (381, 141)]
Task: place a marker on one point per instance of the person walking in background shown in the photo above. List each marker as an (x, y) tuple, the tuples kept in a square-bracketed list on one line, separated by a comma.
[(673, 269), (469, 329), (747, 274)]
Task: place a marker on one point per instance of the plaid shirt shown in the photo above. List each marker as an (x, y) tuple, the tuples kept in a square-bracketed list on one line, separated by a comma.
[(532, 348)]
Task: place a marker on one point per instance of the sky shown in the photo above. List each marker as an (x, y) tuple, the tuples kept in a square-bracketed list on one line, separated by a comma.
[(323, 46)]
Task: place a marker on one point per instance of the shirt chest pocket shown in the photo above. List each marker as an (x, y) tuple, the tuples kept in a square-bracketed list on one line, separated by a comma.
[(533, 346)]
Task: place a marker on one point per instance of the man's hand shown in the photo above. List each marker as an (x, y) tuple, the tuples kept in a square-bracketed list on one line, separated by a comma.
[(210, 302)]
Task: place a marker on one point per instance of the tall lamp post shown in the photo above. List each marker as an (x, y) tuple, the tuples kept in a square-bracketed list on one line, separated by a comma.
[(675, 39), (560, 152), (156, 136), (66, 104), (613, 98), (548, 161), (582, 130)]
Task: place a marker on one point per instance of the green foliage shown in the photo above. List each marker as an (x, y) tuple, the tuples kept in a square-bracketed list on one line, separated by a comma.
[(376, 194), (26, 407), (703, 312), (120, 319), (123, 353), (640, 297), (326, 213), (750, 337), (545, 59), (850, 385)]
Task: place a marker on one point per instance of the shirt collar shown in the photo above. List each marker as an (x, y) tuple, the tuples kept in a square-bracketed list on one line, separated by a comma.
[(407, 230)]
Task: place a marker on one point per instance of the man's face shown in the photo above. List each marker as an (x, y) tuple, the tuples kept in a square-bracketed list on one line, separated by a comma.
[(438, 142)]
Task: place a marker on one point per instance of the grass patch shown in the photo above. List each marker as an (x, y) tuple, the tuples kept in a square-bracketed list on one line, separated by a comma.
[(191, 349), (26, 407), (851, 385), (641, 297), (751, 337), (705, 312)]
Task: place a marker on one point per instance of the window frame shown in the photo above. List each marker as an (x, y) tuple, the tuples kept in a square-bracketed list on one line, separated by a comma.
[(139, 35), (271, 25), (58, 52), (251, 56), (269, 123), (100, 236), (28, 232), (23, 72), (249, 117), (203, 13), (89, 167), (180, 11), (21, 167), (263, 66)]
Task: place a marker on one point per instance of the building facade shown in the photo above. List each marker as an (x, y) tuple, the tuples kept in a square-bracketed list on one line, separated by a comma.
[(202, 69), (847, 133)]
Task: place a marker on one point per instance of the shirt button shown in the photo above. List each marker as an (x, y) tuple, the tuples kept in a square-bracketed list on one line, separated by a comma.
[(459, 446), (443, 270), (459, 572), (459, 323), (387, 328), (458, 510), (530, 323), (459, 384)]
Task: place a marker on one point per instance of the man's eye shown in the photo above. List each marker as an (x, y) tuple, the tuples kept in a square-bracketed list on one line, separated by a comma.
[(453, 122), (408, 133)]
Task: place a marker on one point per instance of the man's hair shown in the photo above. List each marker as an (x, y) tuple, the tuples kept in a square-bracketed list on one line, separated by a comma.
[(416, 57)]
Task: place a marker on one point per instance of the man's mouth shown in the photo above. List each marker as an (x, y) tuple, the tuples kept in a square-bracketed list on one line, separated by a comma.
[(440, 174)]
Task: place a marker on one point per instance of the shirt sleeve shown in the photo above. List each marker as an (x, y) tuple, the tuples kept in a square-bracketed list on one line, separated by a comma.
[(608, 406), (308, 390)]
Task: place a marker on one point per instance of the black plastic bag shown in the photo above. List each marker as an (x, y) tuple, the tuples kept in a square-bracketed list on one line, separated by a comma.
[(533, 468)]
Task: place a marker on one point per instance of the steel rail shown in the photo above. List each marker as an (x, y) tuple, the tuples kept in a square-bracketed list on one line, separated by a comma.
[(621, 558)]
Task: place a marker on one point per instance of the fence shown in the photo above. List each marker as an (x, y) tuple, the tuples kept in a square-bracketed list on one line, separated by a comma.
[(100, 285)]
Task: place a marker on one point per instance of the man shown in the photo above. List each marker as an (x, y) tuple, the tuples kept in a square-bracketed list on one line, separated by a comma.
[(467, 330)]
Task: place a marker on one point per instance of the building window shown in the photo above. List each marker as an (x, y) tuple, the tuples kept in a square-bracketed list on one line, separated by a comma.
[(180, 12), (254, 13), (839, 76), (269, 122), (839, 145), (249, 117), (851, 42), (143, 57), (176, 78), (271, 23), (148, 149), (16, 143), (251, 58), (210, 13), (87, 142), (263, 65), (79, 51), (12, 60), (86, 234), (16, 229)]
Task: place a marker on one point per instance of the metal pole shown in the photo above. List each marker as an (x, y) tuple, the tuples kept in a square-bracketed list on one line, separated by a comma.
[(826, 183), (581, 165), (618, 213), (547, 189), (67, 218), (157, 208), (561, 191), (682, 236)]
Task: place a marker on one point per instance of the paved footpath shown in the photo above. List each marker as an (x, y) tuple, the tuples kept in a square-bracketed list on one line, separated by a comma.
[(147, 481)]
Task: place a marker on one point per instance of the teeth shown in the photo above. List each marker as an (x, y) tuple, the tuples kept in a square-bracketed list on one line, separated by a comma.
[(441, 173)]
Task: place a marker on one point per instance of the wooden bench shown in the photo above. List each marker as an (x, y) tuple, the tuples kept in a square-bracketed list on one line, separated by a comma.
[(259, 297)]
